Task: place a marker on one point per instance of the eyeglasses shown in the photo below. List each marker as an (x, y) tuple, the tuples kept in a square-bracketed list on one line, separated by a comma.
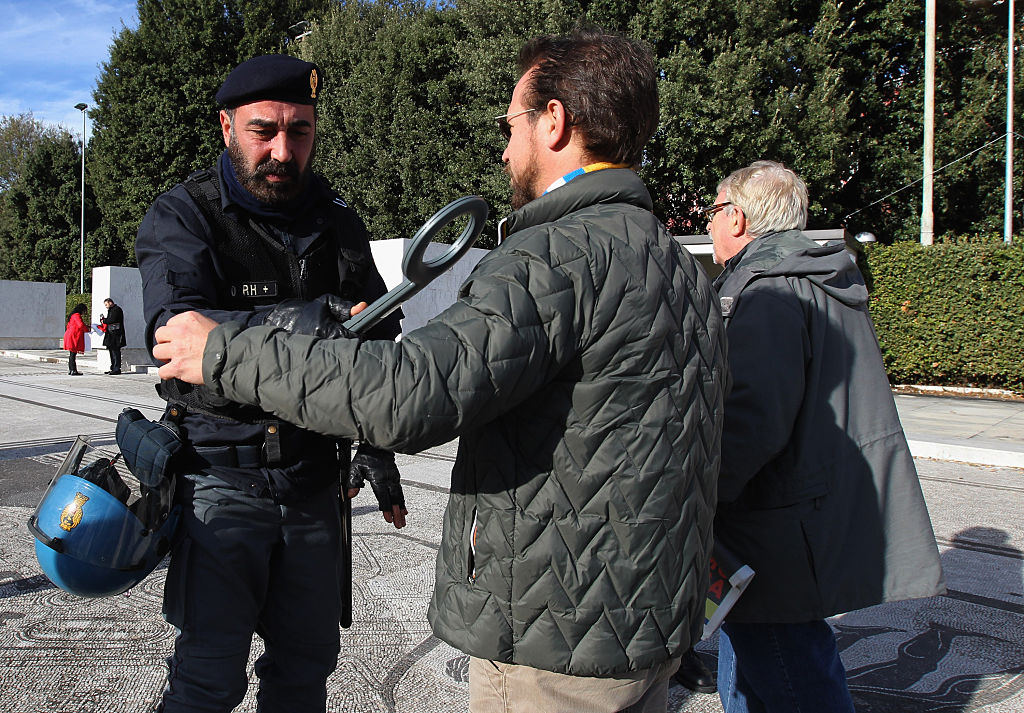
[(504, 127), (709, 211)]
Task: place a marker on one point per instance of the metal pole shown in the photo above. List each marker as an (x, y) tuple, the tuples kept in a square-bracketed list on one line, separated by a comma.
[(81, 235), (1008, 203), (927, 217)]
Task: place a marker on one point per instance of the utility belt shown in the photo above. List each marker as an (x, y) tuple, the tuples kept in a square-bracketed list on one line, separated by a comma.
[(286, 470), (255, 456), (228, 457), (268, 454)]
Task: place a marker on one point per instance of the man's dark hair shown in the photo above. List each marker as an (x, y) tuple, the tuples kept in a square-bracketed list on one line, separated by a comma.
[(606, 82)]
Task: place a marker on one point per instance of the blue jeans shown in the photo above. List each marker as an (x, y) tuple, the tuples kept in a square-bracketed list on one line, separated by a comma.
[(781, 668)]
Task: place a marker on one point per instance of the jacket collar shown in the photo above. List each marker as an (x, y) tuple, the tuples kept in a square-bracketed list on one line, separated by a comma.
[(791, 253), (763, 253), (612, 185)]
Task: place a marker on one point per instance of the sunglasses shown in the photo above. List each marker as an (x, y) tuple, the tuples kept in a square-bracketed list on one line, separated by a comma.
[(504, 127)]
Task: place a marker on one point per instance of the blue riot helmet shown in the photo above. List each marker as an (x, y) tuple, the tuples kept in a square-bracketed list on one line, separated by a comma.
[(99, 529)]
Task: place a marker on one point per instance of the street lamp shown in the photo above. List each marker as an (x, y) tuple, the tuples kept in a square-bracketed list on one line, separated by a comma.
[(1008, 189), (927, 215), (82, 106)]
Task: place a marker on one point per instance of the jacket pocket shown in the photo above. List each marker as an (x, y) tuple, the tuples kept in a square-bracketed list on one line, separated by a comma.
[(471, 548)]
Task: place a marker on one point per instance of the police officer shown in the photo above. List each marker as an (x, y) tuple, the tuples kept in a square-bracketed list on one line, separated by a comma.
[(259, 238)]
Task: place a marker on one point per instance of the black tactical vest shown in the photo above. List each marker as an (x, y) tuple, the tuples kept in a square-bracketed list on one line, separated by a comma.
[(258, 270)]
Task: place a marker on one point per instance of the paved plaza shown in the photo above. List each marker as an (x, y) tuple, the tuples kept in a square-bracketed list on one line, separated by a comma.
[(960, 652)]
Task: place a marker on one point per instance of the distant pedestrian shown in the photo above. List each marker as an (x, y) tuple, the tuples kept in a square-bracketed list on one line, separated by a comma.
[(114, 339), (74, 337)]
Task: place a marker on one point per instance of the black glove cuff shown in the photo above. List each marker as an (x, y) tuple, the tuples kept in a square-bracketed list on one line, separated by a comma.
[(383, 476), (374, 452)]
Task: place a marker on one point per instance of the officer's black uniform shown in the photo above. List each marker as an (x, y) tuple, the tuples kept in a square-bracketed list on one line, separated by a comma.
[(259, 546)]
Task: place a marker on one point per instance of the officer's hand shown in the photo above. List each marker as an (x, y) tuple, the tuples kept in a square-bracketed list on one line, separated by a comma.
[(378, 466), (322, 317)]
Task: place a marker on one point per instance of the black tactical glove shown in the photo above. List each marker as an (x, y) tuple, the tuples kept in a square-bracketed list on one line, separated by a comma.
[(322, 317), (377, 466)]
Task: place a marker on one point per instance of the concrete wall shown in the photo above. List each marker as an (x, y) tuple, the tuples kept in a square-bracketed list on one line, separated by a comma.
[(32, 316), (439, 294), (124, 286)]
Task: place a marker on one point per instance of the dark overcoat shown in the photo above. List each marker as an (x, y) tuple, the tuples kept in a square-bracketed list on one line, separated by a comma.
[(818, 490), (114, 337)]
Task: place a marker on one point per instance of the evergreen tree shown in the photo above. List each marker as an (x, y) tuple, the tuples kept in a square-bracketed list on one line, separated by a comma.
[(393, 121), (19, 135), (832, 89), (41, 240), (885, 65)]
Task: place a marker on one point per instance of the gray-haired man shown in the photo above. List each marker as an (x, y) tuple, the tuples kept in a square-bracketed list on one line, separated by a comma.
[(818, 491)]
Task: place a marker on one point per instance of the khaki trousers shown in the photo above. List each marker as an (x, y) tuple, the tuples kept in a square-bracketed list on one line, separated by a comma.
[(508, 688)]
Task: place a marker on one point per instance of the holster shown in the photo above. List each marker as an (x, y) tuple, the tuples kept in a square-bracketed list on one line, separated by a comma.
[(148, 449)]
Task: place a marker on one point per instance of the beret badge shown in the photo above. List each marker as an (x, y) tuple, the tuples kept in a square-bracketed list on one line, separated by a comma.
[(313, 81)]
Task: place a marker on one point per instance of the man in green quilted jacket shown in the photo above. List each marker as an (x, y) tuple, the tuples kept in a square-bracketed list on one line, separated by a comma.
[(582, 369)]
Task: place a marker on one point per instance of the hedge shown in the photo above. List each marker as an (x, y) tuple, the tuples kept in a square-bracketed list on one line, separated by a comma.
[(950, 314), (72, 300)]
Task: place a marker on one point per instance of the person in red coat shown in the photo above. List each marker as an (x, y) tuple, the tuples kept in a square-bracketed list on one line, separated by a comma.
[(74, 337)]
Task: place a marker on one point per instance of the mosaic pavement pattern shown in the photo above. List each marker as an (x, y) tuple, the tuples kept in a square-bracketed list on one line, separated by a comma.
[(61, 654)]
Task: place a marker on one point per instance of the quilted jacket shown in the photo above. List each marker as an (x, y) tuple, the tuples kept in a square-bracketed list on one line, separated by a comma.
[(583, 369)]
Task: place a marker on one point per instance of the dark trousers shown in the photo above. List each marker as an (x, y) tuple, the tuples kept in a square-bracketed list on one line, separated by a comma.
[(781, 668), (72, 364), (245, 564), (115, 358)]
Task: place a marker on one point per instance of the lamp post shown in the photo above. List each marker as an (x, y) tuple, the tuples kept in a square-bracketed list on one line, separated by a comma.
[(1008, 191), (927, 216), (82, 106)]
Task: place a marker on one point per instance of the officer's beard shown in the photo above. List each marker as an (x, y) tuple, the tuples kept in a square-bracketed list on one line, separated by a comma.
[(254, 179)]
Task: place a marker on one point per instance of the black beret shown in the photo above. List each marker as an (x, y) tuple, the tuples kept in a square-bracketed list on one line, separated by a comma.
[(271, 77)]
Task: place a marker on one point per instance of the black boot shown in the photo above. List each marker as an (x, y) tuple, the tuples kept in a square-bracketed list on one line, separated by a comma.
[(693, 674)]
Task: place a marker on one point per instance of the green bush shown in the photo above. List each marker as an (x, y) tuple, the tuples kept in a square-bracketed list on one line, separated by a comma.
[(951, 313), (73, 299)]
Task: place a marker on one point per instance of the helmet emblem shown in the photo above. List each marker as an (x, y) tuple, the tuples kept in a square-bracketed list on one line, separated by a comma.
[(71, 515)]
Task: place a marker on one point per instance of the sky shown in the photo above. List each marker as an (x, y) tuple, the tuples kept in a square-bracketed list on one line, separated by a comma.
[(50, 55)]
